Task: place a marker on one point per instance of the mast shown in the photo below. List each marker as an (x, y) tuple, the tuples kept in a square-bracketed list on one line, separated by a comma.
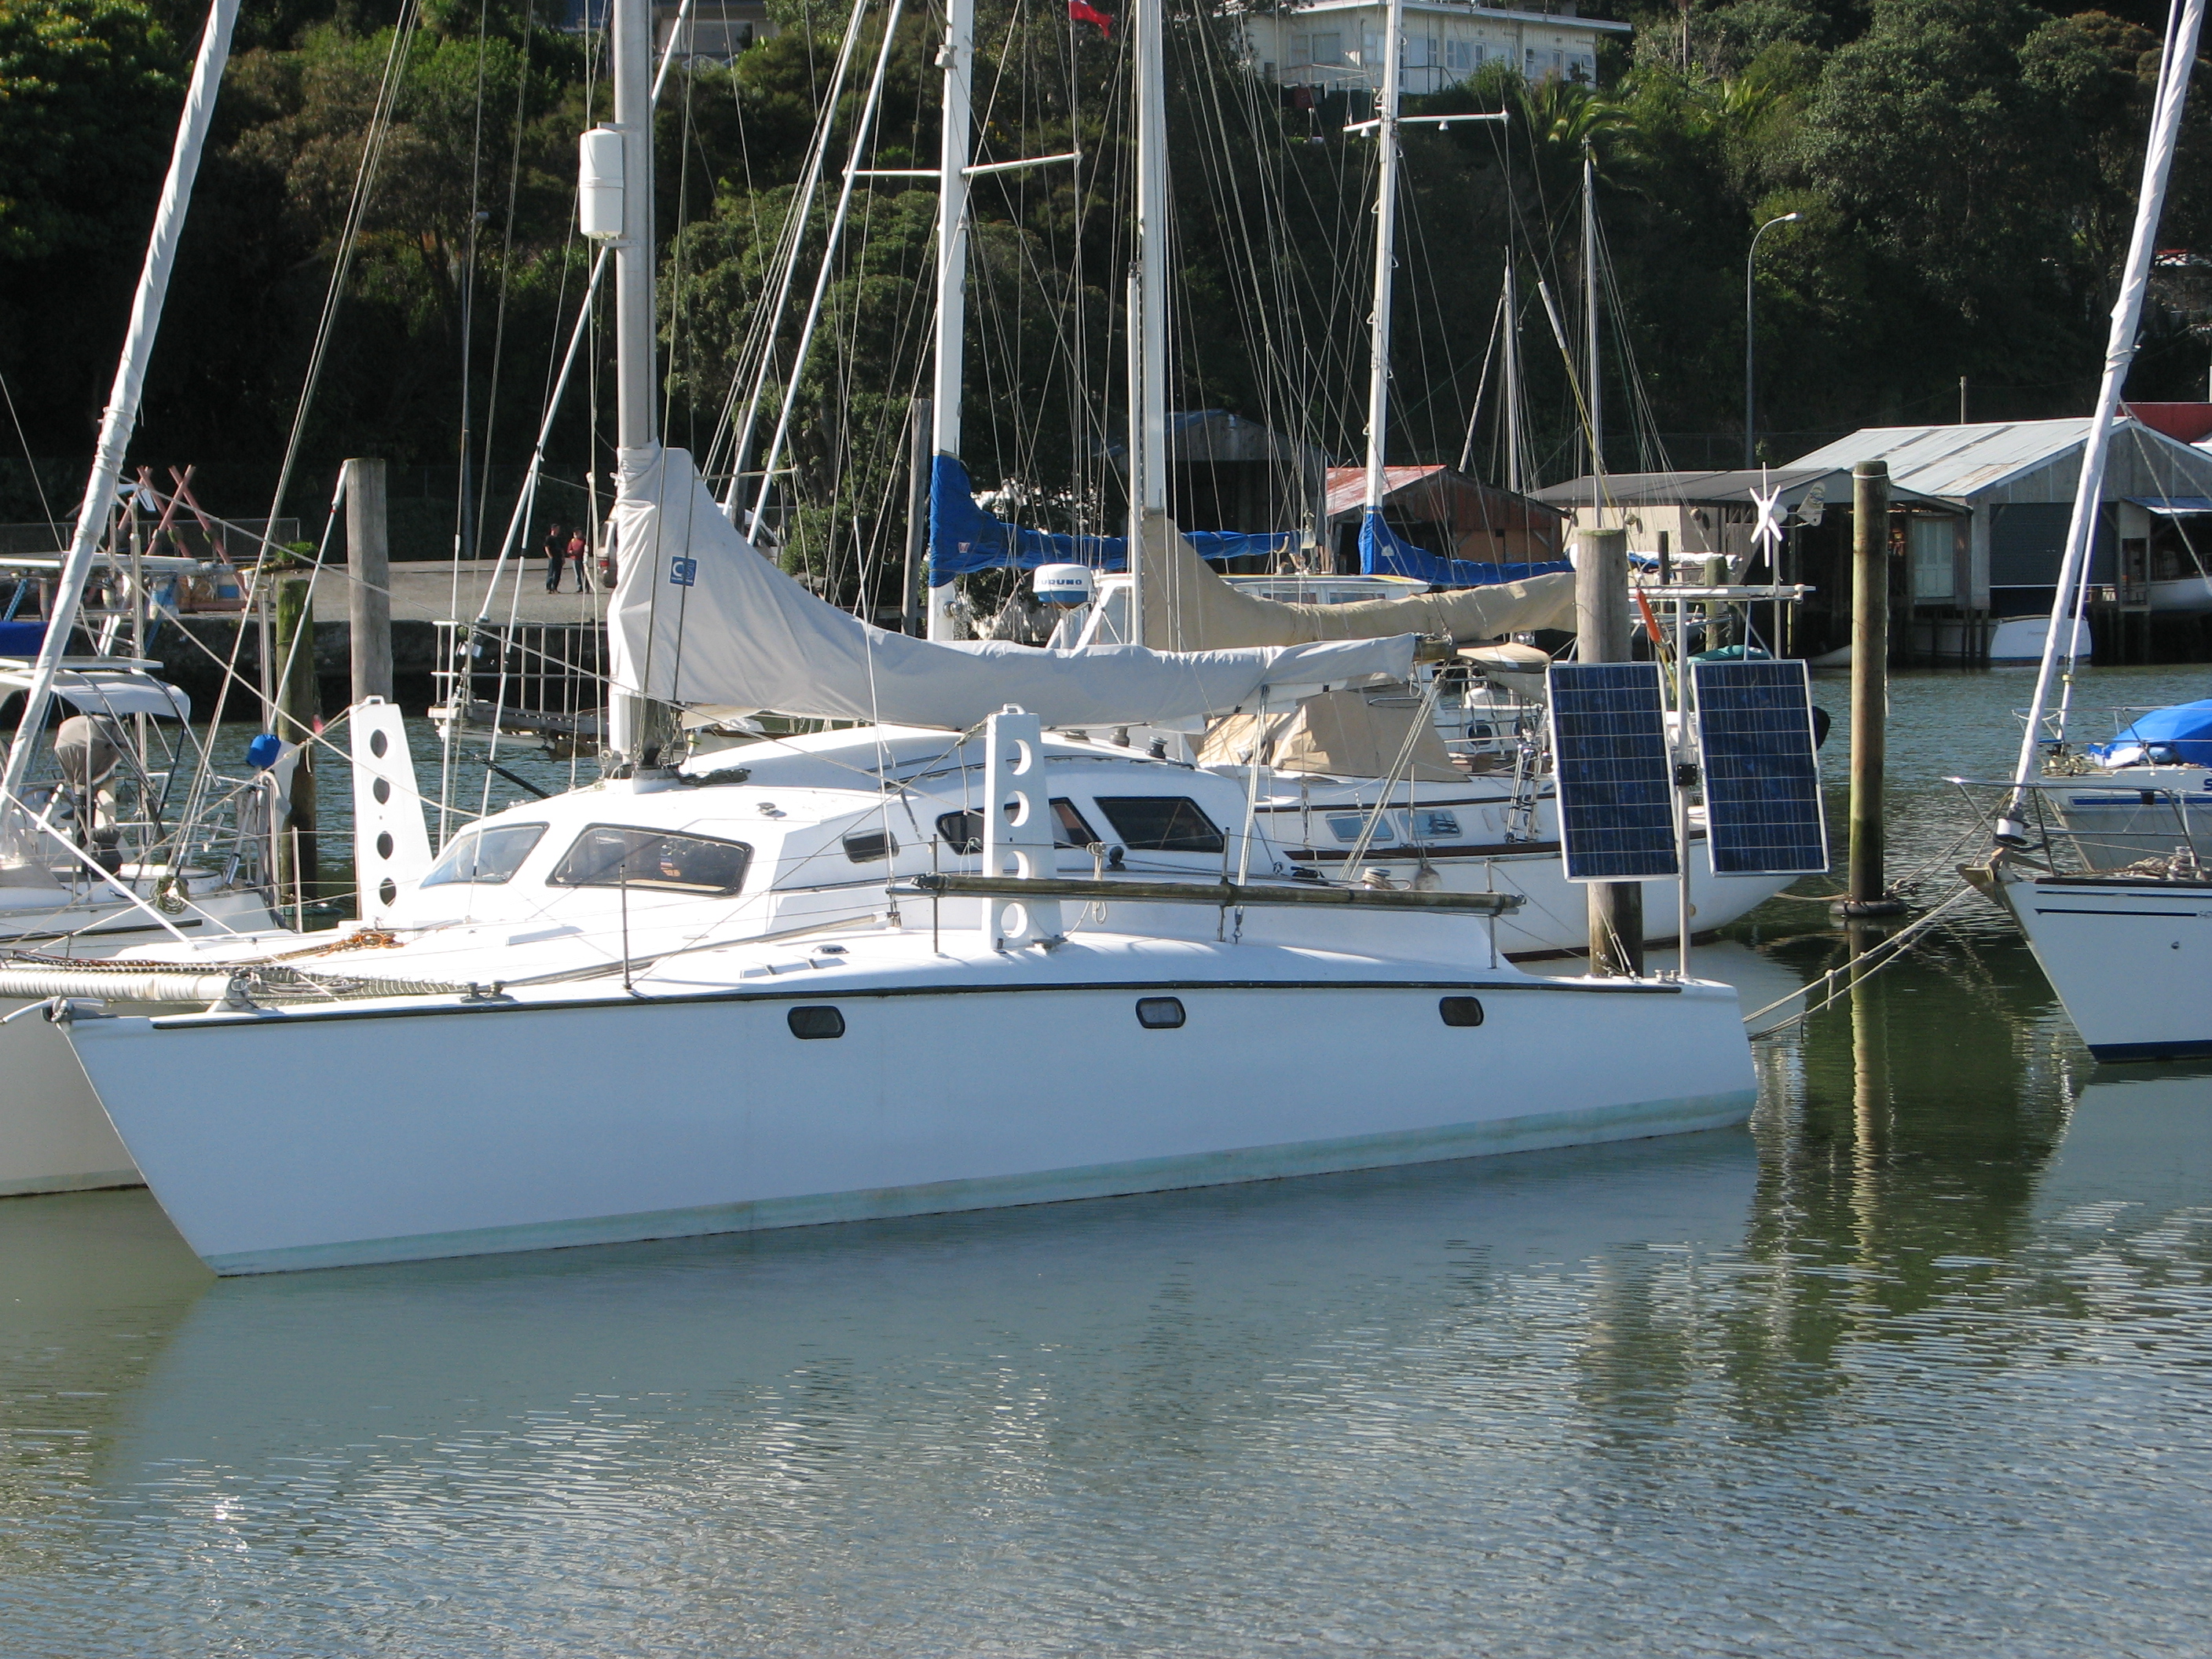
[(1513, 480), (2120, 352), (1386, 246), (1148, 328), (122, 412), (1593, 378), (955, 148), (631, 723)]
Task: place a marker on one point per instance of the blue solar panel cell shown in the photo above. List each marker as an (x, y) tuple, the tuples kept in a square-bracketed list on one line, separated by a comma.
[(1613, 772), (1762, 777)]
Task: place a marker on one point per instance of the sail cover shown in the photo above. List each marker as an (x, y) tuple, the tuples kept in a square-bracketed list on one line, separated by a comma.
[(1188, 608), (699, 616)]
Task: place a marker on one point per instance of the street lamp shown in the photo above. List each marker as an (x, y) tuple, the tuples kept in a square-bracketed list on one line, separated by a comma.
[(1787, 218)]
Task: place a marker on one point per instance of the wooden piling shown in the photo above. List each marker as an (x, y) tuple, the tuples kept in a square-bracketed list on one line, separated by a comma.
[(1602, 634), (368, 590), (1868, 894), (299, 714)]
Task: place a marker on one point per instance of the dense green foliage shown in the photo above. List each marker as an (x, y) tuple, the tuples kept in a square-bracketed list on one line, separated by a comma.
[(1965, 170)]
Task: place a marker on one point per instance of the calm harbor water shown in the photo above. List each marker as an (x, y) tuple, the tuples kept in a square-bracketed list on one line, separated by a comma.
[(1920, 1363)]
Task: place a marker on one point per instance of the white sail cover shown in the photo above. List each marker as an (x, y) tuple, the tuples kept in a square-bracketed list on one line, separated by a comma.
[(700, 617)]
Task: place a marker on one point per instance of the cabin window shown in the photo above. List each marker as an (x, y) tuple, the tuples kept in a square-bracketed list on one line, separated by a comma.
[(615, 855), (816, 1022), (1161, 824), (871, 846), (1431, 825), (1460, 1011), (963, 832), (485, 857), (1159, 1013), (1347, 826)]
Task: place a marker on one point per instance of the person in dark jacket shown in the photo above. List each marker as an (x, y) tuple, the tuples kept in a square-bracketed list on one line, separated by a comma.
[(557, 555)]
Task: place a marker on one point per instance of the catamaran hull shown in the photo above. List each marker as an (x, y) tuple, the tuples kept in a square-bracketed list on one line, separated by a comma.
[(325, 1139), (2131, 960)]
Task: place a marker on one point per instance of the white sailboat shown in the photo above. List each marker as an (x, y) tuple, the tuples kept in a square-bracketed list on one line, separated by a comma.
[(2126, 951), (688, 1000), (88, 867), (1372, 792)]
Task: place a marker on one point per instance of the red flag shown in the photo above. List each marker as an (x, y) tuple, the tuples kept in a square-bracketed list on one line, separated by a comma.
[(1081, 11)]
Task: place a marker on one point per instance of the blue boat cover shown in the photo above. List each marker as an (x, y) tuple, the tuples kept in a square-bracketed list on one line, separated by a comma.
[(1384, 552), (2180, 734), (964, 537), (22, 639)]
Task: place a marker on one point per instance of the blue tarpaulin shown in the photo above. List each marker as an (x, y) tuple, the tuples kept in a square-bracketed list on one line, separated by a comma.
[(22, 639), (2181, 734), (964, 537), (1384, 552)]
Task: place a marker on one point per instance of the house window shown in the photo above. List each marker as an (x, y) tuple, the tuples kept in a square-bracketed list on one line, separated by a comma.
[(1934, 576), (1326, 49), (1461, 56), (1370, 47)]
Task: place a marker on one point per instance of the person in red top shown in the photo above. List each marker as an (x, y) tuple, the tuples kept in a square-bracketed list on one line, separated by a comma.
[(579, 550)]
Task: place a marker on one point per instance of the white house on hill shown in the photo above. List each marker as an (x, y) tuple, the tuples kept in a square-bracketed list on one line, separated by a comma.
[(1336, 45)]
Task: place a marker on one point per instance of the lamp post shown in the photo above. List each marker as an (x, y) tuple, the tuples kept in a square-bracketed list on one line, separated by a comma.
[(1749, 460)]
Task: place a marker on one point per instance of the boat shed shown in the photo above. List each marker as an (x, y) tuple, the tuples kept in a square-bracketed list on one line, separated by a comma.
[(1225, 473), (1677, 521), (2016, 481), (1444, 512)]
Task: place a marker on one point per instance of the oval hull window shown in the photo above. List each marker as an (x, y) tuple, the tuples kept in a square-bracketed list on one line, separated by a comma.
[(1159, 1013), (1460, 1011), (812, 1023)]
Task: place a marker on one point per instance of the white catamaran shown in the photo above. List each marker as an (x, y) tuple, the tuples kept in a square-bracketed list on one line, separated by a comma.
[(940, 961)]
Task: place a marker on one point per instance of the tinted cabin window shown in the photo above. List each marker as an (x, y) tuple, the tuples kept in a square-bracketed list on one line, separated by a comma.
[(812, 1023), (963, 832), (871, 846), (485, 856), (612, 855), (1161, 824), (1159, 1013), (1460, 1011)]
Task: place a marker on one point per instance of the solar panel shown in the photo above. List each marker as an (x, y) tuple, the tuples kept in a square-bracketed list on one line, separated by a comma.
[(1762, 814), (1615, 775)]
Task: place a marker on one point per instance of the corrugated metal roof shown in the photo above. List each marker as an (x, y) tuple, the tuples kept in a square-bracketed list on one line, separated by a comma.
[(1717, 489), (1958, 461)]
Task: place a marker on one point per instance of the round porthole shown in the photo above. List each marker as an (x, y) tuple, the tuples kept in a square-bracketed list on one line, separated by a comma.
[(1460, 1011), (384, 845), (1159, 1013), (387, 889), (812, 1023), (382, 790), (378, 742)]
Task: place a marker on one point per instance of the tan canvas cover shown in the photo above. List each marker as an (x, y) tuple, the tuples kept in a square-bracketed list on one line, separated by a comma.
[(1188, 608), (1346, 734)]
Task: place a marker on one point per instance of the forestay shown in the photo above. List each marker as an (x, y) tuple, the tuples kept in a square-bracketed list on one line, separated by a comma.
[(699, 616)]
